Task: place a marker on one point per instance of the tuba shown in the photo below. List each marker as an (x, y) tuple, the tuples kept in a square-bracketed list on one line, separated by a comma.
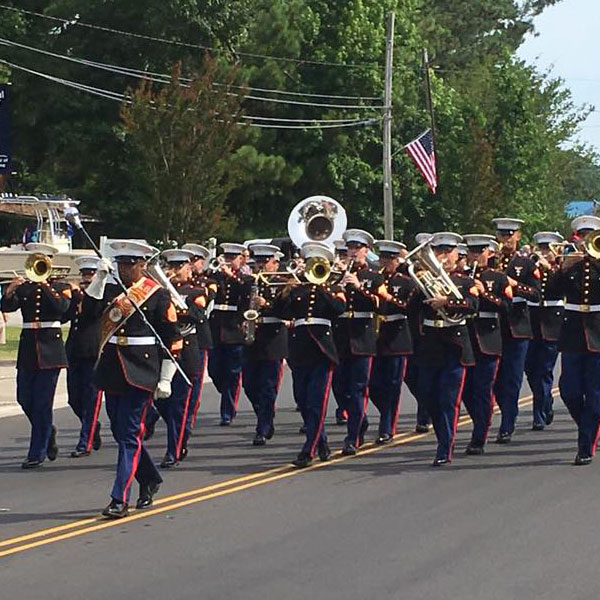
[(429, 275), (317, 219)]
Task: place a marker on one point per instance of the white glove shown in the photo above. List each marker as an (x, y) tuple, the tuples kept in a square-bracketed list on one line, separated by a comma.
[(167, 372), (98, 283)]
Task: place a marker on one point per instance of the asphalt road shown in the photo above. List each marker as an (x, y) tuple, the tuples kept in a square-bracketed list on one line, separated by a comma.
[(234, 521)]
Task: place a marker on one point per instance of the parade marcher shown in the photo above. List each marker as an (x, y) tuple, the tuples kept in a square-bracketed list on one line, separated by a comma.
[(354, 335), (267, 346), (579, 343), (341, 415), (411, 376), (82, 346), (202, 281), (524, 277), (445, 350), (41, 353), (231, 300), (463, 252), (394, 340), (312, 352), (190, 312), (495, 293), (132, 366), (546, 322)]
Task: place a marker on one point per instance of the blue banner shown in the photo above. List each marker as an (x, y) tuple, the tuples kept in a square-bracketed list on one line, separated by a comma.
[(4, 130)]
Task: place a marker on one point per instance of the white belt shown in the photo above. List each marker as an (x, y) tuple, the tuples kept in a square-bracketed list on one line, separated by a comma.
[(487, 315), (123, 340), (390, 318), (41, 325), (545, 303), (225, 307), (439, 323), (189, 332), (356, 315), (269, 320), (312, 321), (518, 300), (583, 308)]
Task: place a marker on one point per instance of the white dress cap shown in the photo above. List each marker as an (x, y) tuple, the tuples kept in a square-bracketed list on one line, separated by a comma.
[(548, 237), (131, 248), (316, 250), (446, 238), (422, 238), (585, 222), (494, 246), (87, 263), (389, 246), (507, 224), (177, 255), (340, 246), (40, 248), (478, 239), (264, 250), (198, 250), (462, 249), (234, 249), (359, 236)]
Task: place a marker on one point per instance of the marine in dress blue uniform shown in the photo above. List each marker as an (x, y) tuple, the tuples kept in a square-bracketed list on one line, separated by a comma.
[(41, 353), (312, 351), (579, 342), (82, 346), (131, 367), (524, 277), (265, 353), (394, 340), (546, 321), (226, 318), (495, 293), (354, 335), (445, 351)]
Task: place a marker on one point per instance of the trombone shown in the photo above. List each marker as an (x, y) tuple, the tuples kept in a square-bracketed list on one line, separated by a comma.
[(38, 268)]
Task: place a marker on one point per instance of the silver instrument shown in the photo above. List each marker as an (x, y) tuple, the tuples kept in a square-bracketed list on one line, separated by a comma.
[(428, 273), (317, 219)]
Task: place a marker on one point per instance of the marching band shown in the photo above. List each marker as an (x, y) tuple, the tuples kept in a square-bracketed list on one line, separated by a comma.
[(460, 318)]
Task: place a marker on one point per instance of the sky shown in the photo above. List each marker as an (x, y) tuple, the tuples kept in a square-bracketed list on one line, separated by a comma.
[(568, 42)]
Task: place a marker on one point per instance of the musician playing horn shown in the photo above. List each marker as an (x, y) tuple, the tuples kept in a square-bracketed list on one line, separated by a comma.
[(41, 353), (445, 350), (268, 346)]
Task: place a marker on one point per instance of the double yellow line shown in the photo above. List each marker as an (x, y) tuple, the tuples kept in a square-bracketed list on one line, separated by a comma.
[(44, 537)]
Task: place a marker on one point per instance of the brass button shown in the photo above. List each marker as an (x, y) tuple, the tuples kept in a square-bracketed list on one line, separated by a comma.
[(146, 355)]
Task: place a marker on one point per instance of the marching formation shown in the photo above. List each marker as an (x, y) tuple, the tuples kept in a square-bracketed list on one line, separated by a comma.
[(459, 318)]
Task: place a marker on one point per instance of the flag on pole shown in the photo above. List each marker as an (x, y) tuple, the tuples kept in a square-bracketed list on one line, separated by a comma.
[(422, 152)]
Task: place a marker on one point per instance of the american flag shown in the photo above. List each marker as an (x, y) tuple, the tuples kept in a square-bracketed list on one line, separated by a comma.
[(423, 154)]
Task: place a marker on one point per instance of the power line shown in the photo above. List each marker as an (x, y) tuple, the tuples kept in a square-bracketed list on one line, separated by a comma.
[(79, 23), (116, 96), (165, 79)]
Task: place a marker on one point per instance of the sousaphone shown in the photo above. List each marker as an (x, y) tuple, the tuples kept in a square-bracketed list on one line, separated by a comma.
[(317, 219)]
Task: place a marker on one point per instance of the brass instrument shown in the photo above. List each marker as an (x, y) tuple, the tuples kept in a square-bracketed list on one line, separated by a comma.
[(216, 263), (38, 267), (291, 274), (431, 279), (251, 317), (589, 245), (317, 219)]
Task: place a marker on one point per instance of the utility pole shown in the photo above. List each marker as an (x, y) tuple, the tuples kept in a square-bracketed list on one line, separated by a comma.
[(388, 201)]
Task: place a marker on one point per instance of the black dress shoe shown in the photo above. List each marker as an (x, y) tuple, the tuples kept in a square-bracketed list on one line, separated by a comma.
[(302, 430), (270, 433), (538, 427), (302, 460), (97, 441), (440, 462), (116, 510), (184, 452), (324, 452), (363, 430), (384, 438), (349, 449), (340, 420), (550, 417), (79, 453), (147, 492), (259, 440), (503, 438), (167, 462), (31, 464), (421, 428), (581, 460), (52, 450), (474, 450), (225, 423)]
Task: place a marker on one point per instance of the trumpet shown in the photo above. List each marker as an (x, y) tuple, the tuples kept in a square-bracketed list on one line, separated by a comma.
[(216, 263)]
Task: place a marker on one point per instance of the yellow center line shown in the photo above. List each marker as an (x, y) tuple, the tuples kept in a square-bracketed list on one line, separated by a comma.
[(198, 495)]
